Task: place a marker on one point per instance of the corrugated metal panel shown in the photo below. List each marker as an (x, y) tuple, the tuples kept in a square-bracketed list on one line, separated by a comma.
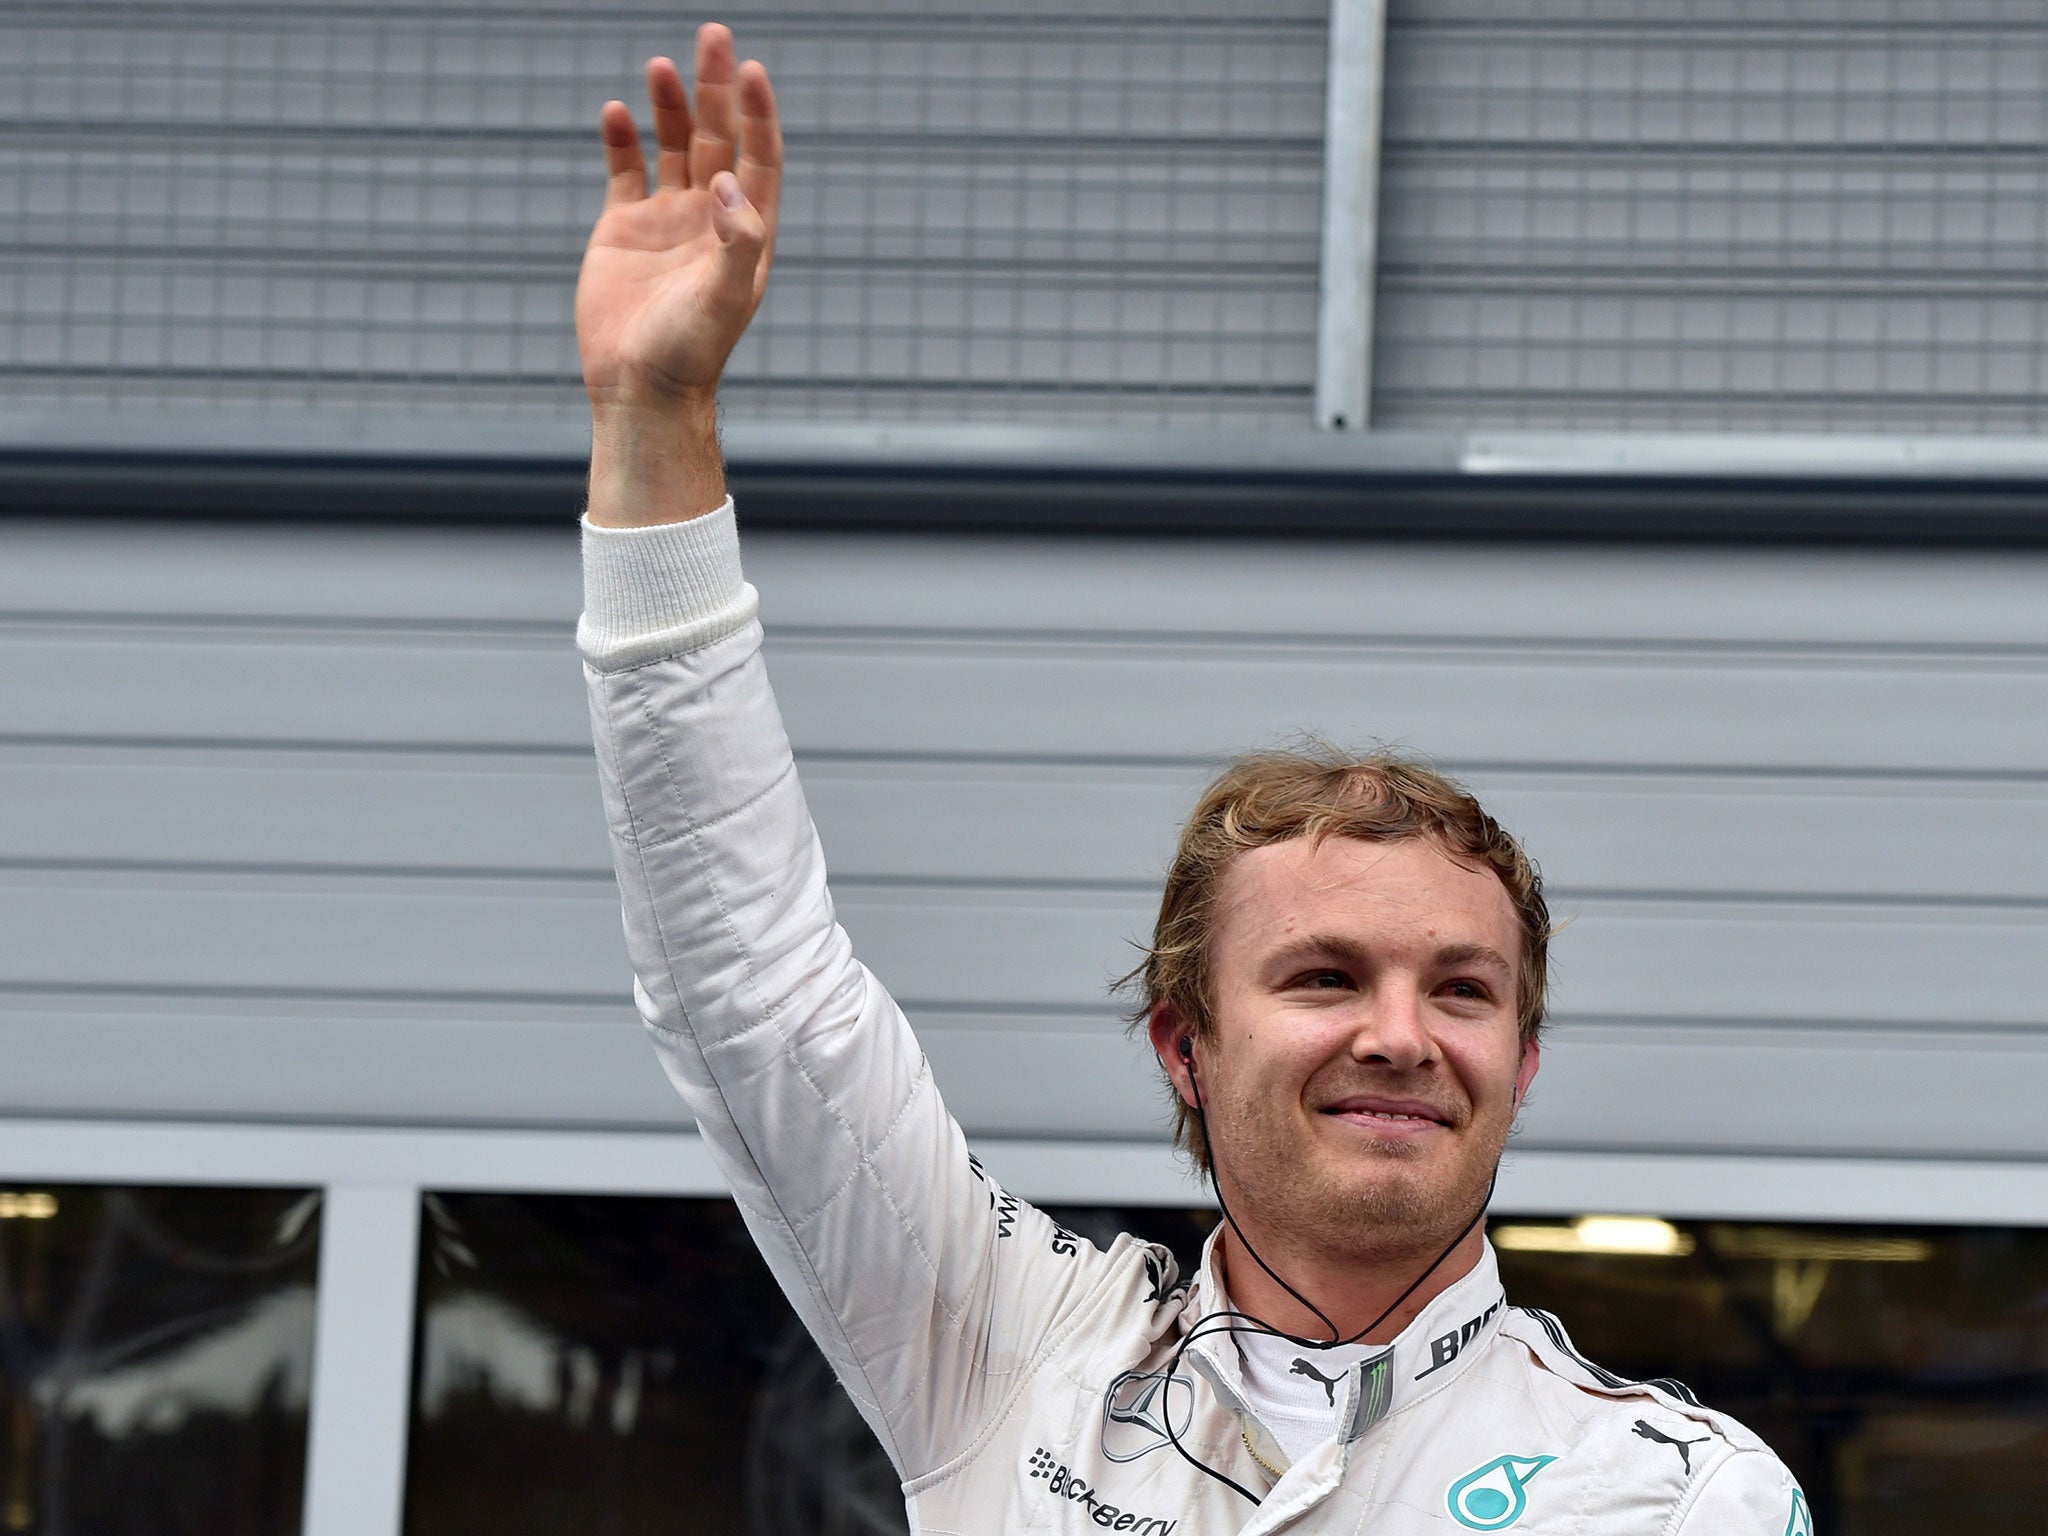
[(301, 824), (1714, 214), (993, 211), (1091, 824), (882, 694)]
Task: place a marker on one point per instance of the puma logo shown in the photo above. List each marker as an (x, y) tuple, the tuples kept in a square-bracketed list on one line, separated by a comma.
[(1648, 1431), (1164, 1282), (1303, 1368)]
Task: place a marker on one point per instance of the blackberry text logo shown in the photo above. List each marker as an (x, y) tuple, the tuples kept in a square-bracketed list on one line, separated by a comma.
[(1065, 1485)]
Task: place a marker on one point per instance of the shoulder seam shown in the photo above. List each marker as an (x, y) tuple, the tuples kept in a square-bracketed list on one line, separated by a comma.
[(1693, 1494), (1668, 1385)]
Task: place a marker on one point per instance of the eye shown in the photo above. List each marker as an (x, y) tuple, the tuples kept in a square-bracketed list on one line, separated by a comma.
[(1466, 990), (1320, 981)]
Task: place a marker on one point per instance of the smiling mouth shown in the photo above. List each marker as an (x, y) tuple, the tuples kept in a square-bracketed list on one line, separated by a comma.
[(1401, 1119)]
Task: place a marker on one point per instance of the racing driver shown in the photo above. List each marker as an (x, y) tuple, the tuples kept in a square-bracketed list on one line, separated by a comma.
[(1344, 992)]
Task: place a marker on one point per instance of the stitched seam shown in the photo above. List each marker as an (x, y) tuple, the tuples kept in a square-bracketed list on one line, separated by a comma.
[(687, 644), (771, 1012), (864, 1163), (766, 1017), (669, 839), (1689, 1500), (867, 1161), (903, 1221), (853, 1173), (917, 1081)]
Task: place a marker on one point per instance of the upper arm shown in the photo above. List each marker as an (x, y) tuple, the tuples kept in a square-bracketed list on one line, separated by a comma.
[(927, 1289), (1750, 1493)]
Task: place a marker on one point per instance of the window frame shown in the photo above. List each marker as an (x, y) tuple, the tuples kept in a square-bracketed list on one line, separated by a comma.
[(372, 1179)]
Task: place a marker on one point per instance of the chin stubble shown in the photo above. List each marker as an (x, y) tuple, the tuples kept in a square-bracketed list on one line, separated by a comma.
[(1395, 1213)]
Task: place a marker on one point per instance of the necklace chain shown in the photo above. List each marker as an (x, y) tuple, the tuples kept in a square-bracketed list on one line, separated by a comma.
[(1245, 1430)]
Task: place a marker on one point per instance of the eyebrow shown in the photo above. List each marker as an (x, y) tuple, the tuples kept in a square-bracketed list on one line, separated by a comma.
[(1336, 947), (1479, 954)]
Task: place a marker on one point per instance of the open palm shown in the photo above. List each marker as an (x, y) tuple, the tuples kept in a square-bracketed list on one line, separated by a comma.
[(672, 275)]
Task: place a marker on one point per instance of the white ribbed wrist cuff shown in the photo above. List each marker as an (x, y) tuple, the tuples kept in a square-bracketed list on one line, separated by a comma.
[(660, 591)]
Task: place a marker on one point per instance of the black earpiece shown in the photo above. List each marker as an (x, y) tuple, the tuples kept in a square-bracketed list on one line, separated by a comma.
[(1187, 1050)]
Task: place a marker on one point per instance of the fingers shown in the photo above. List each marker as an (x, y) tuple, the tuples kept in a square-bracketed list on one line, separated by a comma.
[(625, 170), (742, 247), (672, 125), (760, 165), (735, 127), (714, 139)]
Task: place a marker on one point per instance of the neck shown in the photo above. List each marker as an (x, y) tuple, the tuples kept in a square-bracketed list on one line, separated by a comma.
[(1352, 1288)]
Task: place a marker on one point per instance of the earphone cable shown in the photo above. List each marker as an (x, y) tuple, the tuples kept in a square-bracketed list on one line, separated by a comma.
[(1229, 1320)]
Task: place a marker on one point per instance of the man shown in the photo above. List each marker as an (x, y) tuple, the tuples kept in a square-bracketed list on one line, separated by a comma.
[(1344, 992)]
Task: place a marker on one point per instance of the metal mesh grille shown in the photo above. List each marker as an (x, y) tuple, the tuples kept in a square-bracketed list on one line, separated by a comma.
[(1715, 214), (994, 213)]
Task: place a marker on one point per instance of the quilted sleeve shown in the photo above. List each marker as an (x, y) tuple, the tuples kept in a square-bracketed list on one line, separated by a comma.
[(931, 1291)]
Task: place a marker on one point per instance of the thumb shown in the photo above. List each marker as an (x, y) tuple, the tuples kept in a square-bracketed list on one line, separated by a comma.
[(742, 232)]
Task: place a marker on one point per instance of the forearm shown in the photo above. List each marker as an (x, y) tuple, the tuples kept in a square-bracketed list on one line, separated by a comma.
[(654, 464)]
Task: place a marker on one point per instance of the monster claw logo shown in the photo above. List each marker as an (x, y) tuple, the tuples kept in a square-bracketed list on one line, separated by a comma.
[(1801, 1523), (1491, 1497)]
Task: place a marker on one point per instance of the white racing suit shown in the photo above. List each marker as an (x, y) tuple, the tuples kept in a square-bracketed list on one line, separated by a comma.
[(1015, 1375)]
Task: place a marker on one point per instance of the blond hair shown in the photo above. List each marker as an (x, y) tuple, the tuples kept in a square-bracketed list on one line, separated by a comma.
[(1318, 793)]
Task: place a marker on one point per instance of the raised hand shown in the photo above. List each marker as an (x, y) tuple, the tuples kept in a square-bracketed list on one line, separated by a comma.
[(672, 276)]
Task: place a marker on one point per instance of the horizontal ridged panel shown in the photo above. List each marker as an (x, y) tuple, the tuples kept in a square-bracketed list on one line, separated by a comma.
[(159, 1053), (1867, 839), (908, 696), (952, 948), (432, 582), (1779, 1087), (1613, 1087), (303, 823)]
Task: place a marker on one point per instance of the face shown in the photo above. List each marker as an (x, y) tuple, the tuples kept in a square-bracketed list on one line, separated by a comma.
[(1366, 1060)]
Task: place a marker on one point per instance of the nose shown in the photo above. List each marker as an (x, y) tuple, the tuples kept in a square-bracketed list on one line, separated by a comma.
[(1392, 1031)]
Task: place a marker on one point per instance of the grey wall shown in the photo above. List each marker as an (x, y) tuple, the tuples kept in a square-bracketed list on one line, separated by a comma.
[(299, 823)]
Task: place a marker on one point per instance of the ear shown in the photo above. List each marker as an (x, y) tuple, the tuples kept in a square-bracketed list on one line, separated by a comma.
[(1167, 1030), (1532, 1056)]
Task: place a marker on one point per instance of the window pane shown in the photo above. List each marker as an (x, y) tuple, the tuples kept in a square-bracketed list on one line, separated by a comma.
[(610, 1364), (613, 1364), (156, 1347), (1902, 1372), (627, 1364)]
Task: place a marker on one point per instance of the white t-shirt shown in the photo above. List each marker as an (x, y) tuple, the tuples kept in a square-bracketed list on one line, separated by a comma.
[(1295, 1391)]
